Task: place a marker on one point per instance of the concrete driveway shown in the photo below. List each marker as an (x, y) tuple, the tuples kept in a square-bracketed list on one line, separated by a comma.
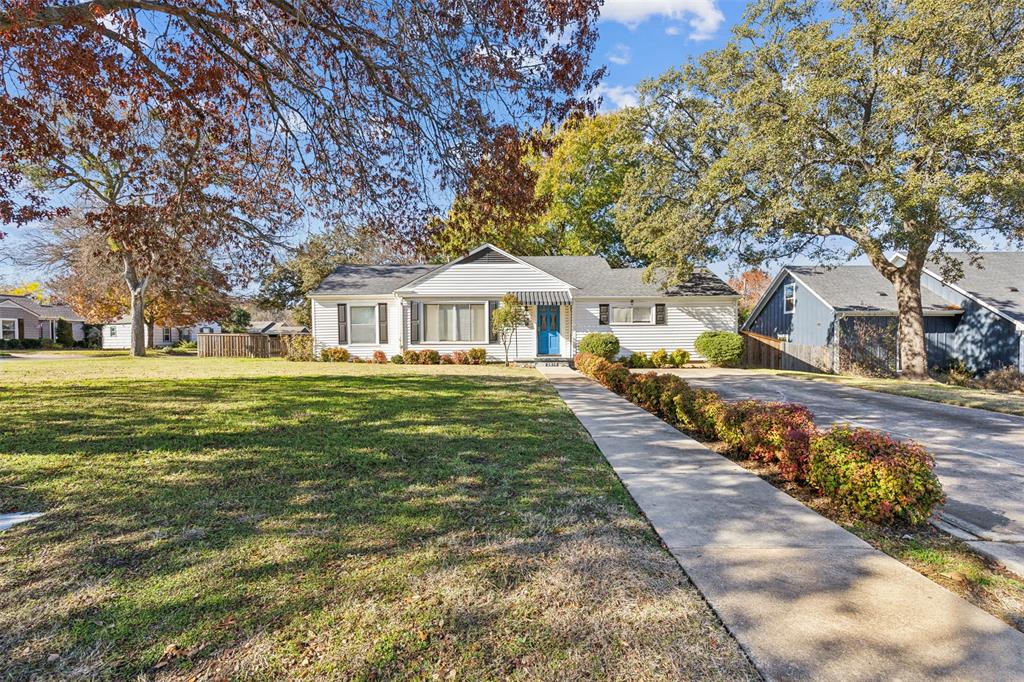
[(979, 454)]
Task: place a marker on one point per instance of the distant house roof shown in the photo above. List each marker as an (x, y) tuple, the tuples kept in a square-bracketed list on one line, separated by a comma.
[(591, 275), (43, 311), (860, 288), (273, 327), (997, 280)]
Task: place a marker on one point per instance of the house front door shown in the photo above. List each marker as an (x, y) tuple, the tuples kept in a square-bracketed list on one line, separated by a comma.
[(548, 324)]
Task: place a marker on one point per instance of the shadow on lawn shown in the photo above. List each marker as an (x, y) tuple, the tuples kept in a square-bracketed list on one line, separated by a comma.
[(198, 513)]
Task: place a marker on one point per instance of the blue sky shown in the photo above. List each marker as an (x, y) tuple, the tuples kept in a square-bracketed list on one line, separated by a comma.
[(641, 39)]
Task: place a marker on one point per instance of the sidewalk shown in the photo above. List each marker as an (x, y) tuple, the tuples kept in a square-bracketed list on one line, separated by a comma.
[(804, 598)]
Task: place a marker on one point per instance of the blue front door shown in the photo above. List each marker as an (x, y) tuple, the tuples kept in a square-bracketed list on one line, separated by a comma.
[(547, 330)]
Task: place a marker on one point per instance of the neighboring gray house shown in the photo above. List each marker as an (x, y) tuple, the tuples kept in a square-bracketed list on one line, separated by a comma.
[(828, 317), (23, 317), (391, 308)]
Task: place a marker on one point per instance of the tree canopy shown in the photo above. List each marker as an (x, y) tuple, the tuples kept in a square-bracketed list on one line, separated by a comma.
[(892, 126), (370, 107)]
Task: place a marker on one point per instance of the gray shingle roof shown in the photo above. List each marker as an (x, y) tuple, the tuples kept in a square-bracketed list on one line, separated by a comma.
[(358, 280), (860, 288), (998, 280), (591, 275), (53, 311)]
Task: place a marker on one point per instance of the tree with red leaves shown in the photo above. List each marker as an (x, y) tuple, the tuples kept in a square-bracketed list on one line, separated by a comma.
[(225, 122), (749, 285)]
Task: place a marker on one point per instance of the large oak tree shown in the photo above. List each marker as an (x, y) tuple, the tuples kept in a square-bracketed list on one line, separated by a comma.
[(843, 128)]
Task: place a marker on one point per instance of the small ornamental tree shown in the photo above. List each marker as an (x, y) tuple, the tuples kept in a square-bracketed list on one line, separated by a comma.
[(65, 333), (511, 315), (238, 321)]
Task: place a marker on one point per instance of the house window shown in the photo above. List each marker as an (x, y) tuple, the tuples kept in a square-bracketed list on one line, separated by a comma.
[(206, 330), (456, 322), (789, 295), (632, 314), (167, 333), (8, 330), (362, 324), (113, 331)]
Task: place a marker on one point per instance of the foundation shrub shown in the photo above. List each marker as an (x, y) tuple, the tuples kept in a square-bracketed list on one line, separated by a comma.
[(602, 344), (334, 355), (429, 356), (721, 349)]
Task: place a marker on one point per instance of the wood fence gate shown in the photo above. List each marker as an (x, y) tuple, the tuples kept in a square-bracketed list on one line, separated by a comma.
[(235, 346)]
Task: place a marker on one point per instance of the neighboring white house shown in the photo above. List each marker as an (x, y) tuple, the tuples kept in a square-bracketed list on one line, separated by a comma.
[(118, 334), (366, 308)]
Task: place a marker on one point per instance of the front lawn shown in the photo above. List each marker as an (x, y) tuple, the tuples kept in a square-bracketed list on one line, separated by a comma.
[(925, 390), (281, 520)]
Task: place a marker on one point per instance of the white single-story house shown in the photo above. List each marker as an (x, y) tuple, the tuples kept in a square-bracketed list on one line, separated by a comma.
[(23, 317), (392, 308), (118, 334)]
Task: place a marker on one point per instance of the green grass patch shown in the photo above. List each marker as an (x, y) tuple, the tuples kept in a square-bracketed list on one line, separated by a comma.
[(264, 519)]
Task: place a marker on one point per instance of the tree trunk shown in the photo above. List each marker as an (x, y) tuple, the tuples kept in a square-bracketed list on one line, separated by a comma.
[(913, 353), (150, 339), (137, 292)]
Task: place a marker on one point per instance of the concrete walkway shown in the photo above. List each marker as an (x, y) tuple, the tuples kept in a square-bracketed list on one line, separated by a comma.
[(804, 598)]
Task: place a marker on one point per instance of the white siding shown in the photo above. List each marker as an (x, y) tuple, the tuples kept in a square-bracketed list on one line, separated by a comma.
[(522, 347), (487, 279), (123, 339), (684, 322), (325, 325)]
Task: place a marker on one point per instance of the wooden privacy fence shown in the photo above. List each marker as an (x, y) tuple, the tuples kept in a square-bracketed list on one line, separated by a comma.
[(764, 351), (241, 346)]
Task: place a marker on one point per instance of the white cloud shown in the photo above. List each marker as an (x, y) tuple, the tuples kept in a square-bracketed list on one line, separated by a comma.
[(615, 96), (620, 55), (673, 31), (703, 16)]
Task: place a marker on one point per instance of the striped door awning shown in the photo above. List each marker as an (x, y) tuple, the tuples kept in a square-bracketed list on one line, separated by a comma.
[(543, 297)]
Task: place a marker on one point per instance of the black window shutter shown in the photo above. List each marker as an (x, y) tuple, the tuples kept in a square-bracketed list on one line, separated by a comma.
[(659, 313), (602, 313), (342, 323), (382, 322), (491, 307), (414, 322), (21, 327)]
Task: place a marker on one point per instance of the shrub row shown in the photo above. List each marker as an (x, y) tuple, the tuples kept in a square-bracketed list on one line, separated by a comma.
[(427, 356), (867, 472), (660, 358)]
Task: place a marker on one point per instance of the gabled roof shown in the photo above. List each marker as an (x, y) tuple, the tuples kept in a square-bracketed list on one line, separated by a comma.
[(997, 281), (484, 252), (359, 280), (44, 311), (590, 276), (860, 288)]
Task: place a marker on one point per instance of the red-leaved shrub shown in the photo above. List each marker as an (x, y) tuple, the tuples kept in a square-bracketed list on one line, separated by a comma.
[(770, 432), (380, 357), (460, 357), (429, 356), (874, 475)]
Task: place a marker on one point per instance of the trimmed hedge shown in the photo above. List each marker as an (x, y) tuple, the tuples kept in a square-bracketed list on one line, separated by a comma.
[(721, 349), (874, 475), (477, 356), (603, 344), (869, 473)]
